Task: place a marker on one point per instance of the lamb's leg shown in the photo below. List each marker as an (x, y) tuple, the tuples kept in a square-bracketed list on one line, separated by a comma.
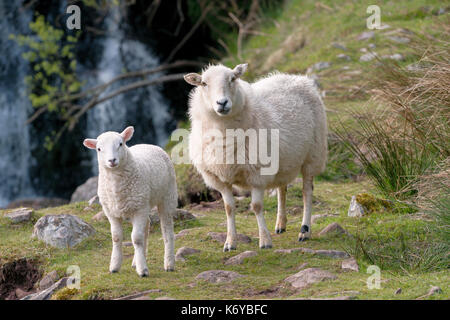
[(305, 231), (166, 219), (139, 222), (280, 226), (265, 240), (147, 230), (117, 237), (228, 201)]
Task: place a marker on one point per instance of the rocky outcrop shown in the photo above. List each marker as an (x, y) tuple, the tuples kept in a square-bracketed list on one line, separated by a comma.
[(86, 191)]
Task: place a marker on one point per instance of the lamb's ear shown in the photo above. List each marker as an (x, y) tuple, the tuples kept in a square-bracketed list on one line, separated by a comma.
[(240, 69), (127, 133), (90, 143), (193, 78)]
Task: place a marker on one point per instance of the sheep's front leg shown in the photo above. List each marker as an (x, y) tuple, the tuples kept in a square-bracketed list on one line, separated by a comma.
[(305, 231), (139, 222), (280, 226), (117, 237), (166, 220), (265, 240), (228, 201), (147, 231)]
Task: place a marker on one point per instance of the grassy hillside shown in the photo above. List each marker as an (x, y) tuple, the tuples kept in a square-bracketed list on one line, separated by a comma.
[(401, 241)]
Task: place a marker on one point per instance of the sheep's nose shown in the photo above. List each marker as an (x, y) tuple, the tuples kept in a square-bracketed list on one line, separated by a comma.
[(222, 102), (112, 161)]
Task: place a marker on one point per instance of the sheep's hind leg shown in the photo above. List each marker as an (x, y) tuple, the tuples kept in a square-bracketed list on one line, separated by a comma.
[(265, 240), (305, 231), (280, 226), (117, 237), (166, 219), (139, 222), (228, 201)]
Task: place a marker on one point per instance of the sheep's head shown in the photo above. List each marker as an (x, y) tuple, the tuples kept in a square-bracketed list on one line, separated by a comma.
[(219, 88), (111, 147)]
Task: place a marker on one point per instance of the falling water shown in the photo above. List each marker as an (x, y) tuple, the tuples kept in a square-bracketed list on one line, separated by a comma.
[(15, 155)]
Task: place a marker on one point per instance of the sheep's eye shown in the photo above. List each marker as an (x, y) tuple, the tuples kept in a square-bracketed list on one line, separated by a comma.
[(120, 144), (204, 83), (99, 149)]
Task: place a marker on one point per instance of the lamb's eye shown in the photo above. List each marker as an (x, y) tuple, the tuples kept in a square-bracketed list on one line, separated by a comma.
[(204, 83), (120, 144), (99, 149)]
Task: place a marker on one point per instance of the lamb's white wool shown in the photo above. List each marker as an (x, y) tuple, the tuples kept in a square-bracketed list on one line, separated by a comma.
[(131, 182), (288, 103)]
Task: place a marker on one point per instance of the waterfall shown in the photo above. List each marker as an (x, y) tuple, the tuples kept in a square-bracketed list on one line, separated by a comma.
[(15, 156), (144, 108)]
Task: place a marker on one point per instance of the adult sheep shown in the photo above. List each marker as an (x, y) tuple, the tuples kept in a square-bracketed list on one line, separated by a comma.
[(291, 105), (131, 182)]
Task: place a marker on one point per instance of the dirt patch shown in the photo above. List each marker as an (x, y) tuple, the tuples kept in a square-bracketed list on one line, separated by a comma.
[(18, 277)]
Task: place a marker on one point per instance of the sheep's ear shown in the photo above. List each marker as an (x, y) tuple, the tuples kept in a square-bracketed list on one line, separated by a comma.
[(127, 133), (90, 143), (240, 69), (193, 78)]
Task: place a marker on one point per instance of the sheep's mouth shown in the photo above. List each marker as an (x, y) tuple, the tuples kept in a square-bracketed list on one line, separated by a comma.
[(223, 112)]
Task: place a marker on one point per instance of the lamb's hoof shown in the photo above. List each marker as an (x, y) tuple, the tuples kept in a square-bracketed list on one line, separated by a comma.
[(171, 269), (266, 246), (144, 273), (305, 233), (302, 237), (113, 271), (279, 231), (228, 247)]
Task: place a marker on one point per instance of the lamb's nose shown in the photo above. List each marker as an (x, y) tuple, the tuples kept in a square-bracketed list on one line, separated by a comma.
[(222, 102), (112, 161)]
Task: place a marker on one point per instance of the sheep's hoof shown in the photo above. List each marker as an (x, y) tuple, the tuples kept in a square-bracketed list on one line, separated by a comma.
[(302, 238), (113, 271), (228, 247), (279, 231), (144, 273), (171, 269), (266, 246), (305, 233)]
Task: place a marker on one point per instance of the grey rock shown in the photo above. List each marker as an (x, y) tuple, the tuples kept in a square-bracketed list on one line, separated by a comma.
[(318, 66), (183, 252), (332, 228), (339, 46), (48, 280), (395, 56), (301, 249), (332, 253), (343, 56), (434, 290), (218, 276), (62, 231), (182, 233), (355, 209), (86, 191), (371, 45), (222, 236), (47, 293), (368, 57), (366, 35), (239, 259), (399, 39), (304, 278), (20, 215), (350, 264)]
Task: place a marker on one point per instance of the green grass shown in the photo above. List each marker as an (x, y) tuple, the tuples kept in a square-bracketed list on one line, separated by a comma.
[(263, 272)]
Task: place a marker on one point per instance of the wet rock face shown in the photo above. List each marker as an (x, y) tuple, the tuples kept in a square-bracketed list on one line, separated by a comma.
[(62, 231)]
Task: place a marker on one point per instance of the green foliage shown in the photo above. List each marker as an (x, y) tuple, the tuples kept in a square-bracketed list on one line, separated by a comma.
[(51, 56)]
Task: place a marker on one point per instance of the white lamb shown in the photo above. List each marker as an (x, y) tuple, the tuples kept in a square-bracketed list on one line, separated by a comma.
[(289, 103), (131, 182)]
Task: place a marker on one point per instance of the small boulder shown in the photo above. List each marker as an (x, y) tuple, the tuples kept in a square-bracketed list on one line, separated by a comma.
[(239, 259), (20, 215), (48, 280), (222, 236), (301, 249), (398, 39), (343, 56), (47, 293), (62, 231), (183, 252), (86, 191), (368, 57), (339, 46), (366, 35), (355, 209), (350, 264), (332, 253), (218, 276), (332, 228), (182, 233), (306, 277), (319, 66), (364, 203)]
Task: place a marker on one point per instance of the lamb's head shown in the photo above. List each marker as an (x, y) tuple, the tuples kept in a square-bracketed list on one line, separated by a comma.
[(111, 147), (219, 87)]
